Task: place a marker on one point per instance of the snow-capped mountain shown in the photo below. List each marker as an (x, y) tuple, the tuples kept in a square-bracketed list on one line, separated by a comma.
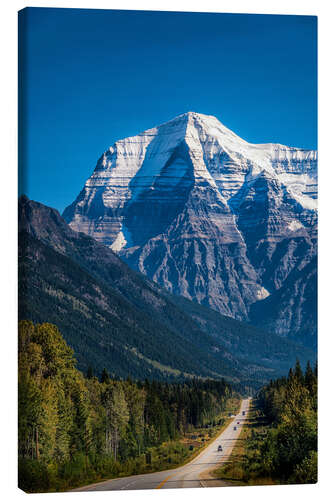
[(208, 215)]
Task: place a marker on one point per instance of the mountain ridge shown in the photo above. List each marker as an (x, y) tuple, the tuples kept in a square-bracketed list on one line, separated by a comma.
[(206, 214)]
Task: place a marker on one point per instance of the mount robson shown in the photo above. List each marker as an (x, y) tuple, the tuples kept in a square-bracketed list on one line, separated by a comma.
[(214, 219), (118, 319)]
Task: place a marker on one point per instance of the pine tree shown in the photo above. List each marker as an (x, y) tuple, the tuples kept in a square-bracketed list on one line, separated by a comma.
[(105, 377), (298, 372)]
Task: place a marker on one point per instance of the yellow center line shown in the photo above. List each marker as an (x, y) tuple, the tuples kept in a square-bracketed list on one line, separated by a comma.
[(205, 449), (164, 481)]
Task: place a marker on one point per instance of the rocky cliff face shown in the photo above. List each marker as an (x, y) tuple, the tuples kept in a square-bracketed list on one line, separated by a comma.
[(207, 215)]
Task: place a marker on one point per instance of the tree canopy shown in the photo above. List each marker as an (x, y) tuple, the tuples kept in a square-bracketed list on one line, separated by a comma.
[(69, 423)]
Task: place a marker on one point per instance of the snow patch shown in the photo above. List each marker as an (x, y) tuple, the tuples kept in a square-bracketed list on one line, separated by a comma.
[(294, 225), (305, 201), (119, 242), (122, 240), (262, 293)]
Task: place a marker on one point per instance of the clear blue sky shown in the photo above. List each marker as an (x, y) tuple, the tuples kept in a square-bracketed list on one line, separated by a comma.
[(91, 77)]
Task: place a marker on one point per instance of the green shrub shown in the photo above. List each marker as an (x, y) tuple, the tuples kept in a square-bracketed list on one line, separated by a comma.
[(33, 476), (306, 472)]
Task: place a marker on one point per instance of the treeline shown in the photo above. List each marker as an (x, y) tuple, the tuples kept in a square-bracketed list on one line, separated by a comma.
[(75, 428), (288, 453)]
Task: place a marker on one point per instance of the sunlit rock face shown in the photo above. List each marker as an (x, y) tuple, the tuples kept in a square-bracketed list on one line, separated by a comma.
[(207, 215)]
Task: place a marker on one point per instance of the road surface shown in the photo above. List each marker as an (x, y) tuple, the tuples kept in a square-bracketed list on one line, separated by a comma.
[(195, 474)]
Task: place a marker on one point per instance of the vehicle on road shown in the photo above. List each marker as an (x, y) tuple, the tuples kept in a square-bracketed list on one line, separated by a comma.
[(243, 413), (237, 423), (219, 448), (187, 475)]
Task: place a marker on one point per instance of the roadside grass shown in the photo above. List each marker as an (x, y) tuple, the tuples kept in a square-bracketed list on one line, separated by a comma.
[(240, 468), (203, 437)]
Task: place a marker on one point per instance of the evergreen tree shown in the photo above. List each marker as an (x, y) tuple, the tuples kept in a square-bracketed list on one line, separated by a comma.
[(71, 425), (105, 377), (298, 372), (291, 406)]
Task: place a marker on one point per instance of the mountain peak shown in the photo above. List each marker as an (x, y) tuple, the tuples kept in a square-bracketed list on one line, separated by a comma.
[(192, 118), (201, 211), (193, 114)]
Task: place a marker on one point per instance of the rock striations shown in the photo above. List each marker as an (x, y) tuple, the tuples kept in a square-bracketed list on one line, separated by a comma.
[(211, 217)]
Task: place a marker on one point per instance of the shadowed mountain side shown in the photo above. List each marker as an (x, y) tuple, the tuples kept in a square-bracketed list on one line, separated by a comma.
[(272, 312), (245, 341)]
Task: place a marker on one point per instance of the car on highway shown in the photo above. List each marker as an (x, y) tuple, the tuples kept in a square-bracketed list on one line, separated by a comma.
[(235, 428), (219, 448), (237, 423)]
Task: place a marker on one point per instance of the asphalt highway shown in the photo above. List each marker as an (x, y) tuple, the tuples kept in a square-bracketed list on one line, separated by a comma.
[(194, 474)]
